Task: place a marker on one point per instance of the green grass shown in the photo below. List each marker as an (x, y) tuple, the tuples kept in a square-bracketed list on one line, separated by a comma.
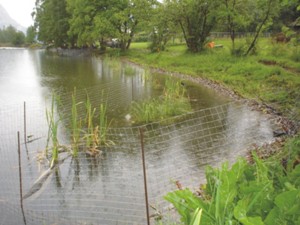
[(277, 84), (173, 102)]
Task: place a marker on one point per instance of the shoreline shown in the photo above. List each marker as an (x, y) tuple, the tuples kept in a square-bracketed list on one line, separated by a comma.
[(287, 127)]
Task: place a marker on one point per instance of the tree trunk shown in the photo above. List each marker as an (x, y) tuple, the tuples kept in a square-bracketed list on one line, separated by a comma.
[(253, 43), (131, 35)]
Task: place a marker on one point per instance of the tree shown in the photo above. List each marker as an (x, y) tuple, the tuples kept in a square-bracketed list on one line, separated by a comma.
[(97, 21), (51, 22), (19, 38), (162, 28), (196, 19), (128, 16), (264, 12), (30, 35), (10, 35), (252, 15), (81, 21), (236, 15)]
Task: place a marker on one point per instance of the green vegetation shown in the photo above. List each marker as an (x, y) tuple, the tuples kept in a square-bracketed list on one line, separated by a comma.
[(264, 192), (9, 36), (172, 103), (94, 134), (75, 125), (90, 131), (87, 131), (115, 23), (263, 69), (53, 124), (271, 76)]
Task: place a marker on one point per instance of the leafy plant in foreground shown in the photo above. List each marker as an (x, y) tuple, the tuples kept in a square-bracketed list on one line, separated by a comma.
[(246, 194)]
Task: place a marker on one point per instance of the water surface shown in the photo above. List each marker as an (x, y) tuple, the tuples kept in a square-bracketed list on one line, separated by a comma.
[(108, 189)]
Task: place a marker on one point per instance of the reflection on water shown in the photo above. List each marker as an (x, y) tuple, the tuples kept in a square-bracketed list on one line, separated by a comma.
[(108, 189)]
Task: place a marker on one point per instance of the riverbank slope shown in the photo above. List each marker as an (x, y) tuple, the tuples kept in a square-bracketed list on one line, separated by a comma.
[(269, 81)]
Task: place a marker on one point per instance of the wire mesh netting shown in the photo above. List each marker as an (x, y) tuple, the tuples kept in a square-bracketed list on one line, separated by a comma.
[(108, 188)]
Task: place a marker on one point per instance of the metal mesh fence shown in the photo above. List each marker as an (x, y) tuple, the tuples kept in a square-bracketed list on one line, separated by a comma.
[(109, 188)]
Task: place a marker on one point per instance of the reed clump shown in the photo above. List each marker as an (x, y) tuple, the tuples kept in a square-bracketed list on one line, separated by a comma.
[(172, 103), (53, 123), (88, 131)]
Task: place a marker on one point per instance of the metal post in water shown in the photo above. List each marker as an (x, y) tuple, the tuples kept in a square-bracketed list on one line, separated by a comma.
[(145, 175), (25, 125), (132, 91), (20, 178)]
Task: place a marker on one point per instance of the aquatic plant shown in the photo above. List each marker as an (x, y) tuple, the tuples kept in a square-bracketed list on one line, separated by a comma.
[(174, 89), (129, 70), (53, 123), (90, 131), (103, 124), (75, 125), (113, 63), (172, 103)]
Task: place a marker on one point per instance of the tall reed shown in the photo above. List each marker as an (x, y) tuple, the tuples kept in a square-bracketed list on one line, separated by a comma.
[(90, 112), (75, 125), (103, 124), (174, 89), (53, 123), (172, 103)]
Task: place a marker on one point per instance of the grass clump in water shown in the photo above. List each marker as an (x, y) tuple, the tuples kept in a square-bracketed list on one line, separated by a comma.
[(91, 132), (172, 103)]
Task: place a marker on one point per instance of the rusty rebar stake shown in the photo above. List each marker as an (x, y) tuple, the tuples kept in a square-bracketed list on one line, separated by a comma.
[(145, 175)]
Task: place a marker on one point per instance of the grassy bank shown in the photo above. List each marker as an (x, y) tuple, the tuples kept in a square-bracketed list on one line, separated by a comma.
[(262, 191), (271, 76)]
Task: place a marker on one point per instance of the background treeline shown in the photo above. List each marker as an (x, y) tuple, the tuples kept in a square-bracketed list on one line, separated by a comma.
[(10, 36), (90, 23)]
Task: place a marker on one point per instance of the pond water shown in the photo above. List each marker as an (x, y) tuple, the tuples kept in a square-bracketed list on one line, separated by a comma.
[(108, 189)]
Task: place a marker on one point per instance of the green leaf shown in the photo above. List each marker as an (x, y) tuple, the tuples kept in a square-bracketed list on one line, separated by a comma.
[(273, 217), (197, 217), (289, 202), (240, 213)]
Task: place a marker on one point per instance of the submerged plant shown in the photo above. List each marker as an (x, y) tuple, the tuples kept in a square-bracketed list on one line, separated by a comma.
[(129, 70)]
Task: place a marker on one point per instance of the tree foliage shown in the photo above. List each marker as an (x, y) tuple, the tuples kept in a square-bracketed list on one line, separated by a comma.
[(196, 19), (161, 28), (51, 21), (100, 21), (11, 36), (30, 35), (86, 23)]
